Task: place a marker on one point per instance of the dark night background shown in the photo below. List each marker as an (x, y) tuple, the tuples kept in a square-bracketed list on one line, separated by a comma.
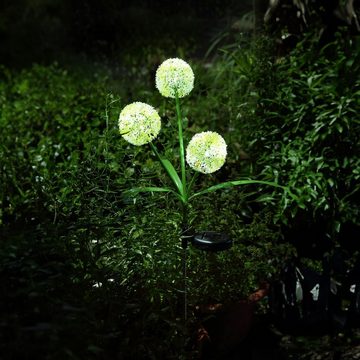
[(43, 31)]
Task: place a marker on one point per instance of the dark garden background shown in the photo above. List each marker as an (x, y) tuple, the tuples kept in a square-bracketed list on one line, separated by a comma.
[(91, 271)]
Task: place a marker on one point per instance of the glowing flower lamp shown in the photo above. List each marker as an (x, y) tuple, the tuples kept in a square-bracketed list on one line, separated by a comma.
[(139, 123), (174, 77), (206, 152)]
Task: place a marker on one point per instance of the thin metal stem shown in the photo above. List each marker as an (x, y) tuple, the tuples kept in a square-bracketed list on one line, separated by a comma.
[(185, 284), (184, 243)]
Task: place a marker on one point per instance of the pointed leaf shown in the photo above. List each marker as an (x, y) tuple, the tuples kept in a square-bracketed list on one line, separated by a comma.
[(169, 168), (264, 198), (229, 184), (149, 189), (154, 189)]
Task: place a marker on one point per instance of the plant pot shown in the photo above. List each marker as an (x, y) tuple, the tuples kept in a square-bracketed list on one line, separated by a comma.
[(223, 328)]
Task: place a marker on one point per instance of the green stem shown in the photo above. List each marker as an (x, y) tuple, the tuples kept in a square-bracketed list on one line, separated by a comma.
[(154, 149), (192, 181), (181, 144)]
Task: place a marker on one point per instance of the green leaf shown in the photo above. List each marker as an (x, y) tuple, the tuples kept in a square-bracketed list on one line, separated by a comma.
[(264, 198), (331, 182), (149, 189), (154, 189), (337, 226), (229, 184), (169, 168), (339, 127)]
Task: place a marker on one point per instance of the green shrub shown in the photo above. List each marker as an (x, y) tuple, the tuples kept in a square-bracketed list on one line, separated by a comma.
[(303, 129), (53, 144)]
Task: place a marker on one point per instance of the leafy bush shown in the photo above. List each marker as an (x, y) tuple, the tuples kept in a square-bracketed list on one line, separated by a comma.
[(54, 138), (300, 124)]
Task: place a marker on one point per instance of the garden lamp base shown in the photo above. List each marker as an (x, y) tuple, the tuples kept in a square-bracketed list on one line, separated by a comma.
[(211, 241)]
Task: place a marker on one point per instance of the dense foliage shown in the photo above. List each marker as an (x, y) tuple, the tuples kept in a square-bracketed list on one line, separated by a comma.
[(305, 132), (81, 249)]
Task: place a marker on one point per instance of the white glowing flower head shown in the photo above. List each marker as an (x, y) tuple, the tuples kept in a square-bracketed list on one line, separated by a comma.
[(174, 76), (206, 152), (139, 123)]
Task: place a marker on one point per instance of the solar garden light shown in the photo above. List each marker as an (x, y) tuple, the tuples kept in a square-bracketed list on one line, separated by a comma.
[(140, 124)]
